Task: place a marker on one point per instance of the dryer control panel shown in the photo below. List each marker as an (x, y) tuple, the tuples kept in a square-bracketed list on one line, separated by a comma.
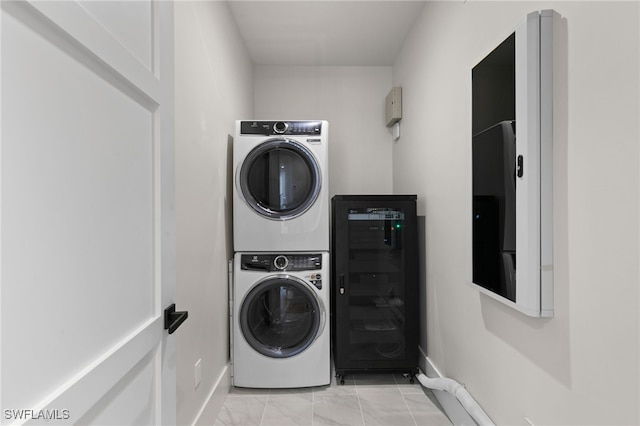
[(269, 128)]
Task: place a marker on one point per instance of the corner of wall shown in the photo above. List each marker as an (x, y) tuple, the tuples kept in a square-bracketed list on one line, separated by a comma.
[(451, 406), (209, 411), (209, 50)]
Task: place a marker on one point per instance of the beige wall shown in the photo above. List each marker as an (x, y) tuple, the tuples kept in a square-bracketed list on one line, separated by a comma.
[(352, 100), (214, 86), (582, 366)]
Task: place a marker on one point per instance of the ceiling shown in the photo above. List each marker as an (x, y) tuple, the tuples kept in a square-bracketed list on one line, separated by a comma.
[(324, 32)]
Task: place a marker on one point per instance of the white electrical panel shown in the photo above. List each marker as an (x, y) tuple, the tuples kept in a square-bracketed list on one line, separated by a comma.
[(394, 106)]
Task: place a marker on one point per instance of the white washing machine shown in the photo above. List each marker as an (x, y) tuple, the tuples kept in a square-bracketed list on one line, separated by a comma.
[(281, 188), (280, 320)]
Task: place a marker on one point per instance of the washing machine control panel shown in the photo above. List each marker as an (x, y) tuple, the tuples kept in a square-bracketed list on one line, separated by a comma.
[(285, 262), (269, 128), (281, 262)]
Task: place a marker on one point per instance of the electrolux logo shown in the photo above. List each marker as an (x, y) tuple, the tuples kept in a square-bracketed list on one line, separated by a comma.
[(49, 414)]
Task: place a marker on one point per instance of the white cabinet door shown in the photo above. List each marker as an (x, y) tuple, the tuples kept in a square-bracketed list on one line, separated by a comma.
[(86, 212)]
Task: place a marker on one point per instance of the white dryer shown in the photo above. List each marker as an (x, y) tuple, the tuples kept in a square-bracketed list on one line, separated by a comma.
[(280, 320), (281, 188)]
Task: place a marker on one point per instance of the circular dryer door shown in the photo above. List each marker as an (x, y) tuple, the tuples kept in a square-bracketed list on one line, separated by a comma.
[(280, 179), (281, 316)]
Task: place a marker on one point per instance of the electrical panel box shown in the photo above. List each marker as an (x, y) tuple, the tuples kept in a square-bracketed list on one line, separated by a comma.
[(394, 106)]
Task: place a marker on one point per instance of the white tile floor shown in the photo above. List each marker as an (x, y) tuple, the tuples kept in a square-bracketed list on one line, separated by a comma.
[(388, 400)]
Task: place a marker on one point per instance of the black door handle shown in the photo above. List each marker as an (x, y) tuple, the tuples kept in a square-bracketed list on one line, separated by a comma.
[(520, 166), (173, 319)]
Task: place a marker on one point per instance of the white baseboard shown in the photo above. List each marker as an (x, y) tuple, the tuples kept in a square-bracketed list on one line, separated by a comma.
[(450, 404), (212, 405)]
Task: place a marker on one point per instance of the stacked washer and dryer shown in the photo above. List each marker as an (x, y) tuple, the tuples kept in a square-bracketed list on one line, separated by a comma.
[(280, 293)]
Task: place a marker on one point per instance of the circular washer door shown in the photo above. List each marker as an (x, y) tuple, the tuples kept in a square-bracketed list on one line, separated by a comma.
[(281, 316), (280, 179)]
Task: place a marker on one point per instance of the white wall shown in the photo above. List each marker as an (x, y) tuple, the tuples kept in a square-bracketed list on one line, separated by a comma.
[(213, 88), (582, 366), (352, 100)]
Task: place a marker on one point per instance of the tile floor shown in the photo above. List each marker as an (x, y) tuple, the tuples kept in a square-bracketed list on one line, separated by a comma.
[(388, 400)]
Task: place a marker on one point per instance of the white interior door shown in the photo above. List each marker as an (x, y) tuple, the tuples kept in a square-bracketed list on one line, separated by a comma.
[(86, 212)]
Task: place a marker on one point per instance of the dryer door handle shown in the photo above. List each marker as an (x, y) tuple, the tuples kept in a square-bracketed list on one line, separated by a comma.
[(341, 283)]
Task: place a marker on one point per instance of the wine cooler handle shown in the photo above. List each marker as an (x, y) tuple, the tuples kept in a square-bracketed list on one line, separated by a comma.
[(341, 283)]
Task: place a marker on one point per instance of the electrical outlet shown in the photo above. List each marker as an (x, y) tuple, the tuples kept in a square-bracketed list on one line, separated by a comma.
[(197, 373)]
